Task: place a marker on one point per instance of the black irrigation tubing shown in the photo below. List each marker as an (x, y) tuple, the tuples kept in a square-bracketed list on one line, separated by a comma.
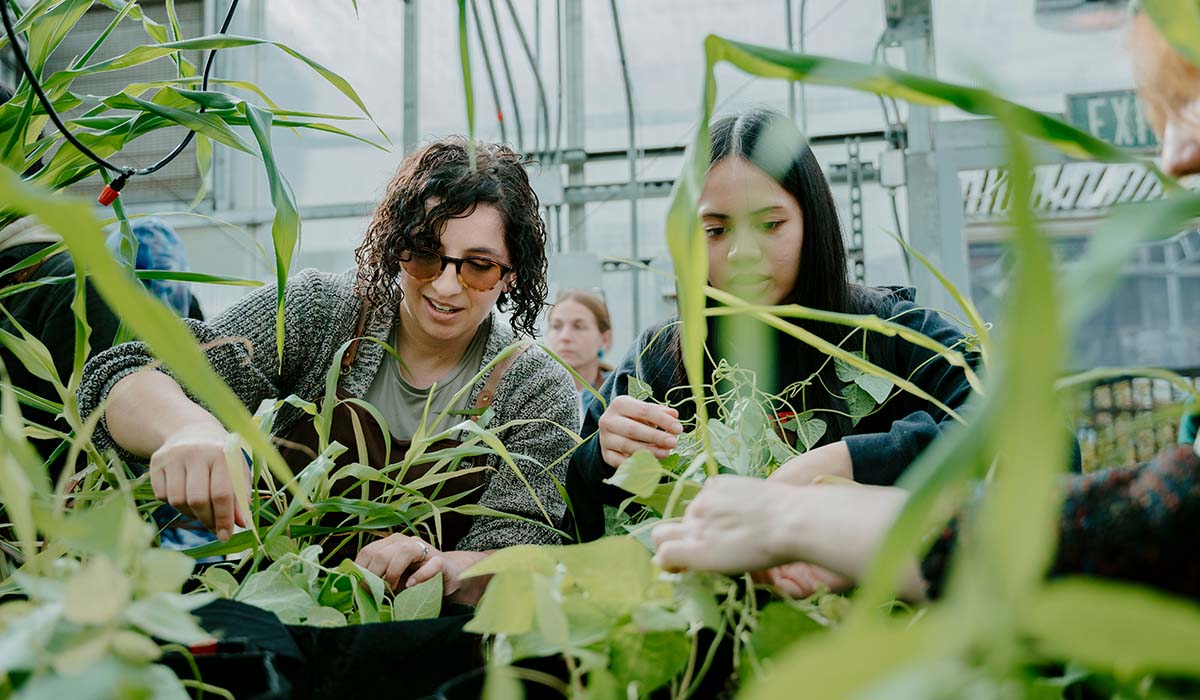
[(512, 91), (491, 74), (124, 173), (537, 78)]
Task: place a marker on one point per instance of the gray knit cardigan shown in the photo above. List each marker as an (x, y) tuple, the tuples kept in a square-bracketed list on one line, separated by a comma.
[(320, 314)]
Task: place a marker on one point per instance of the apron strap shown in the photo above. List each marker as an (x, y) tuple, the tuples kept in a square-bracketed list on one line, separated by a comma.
[(364, 310), (488, 393)]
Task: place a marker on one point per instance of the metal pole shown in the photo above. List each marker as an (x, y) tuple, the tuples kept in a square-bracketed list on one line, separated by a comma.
[(803, 86), (412, 87), (935, 214), (575, 117), (791, 44), (632, 158)]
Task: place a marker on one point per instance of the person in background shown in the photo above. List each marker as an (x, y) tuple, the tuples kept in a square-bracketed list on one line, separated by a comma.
[(1135, 524), (160, 248), (774, 237), (580, 333), (44, 311)]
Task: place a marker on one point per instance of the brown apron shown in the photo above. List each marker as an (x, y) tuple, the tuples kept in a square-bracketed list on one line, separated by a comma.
[(353, 426)]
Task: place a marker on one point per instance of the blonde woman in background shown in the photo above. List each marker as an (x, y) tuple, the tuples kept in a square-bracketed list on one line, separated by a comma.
[(581, 333)]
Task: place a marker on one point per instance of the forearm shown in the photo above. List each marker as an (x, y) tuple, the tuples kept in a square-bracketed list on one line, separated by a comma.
[(147, 407), (828, 460), (841, 528)]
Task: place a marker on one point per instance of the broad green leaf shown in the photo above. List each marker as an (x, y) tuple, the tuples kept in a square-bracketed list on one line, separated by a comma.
[(97, 594), (1108, 625), (23, 636), (590, 567), (272, 590), (135, 647), (522, 558), (83, 651), (507, 606), (169, 617), (649, 660), (777, 627), (111, 529), (639, 390), (375, 585), (218, 580), (680, 492), (877, 387), (848, 662), (325, 617), (337, 591), (550, 620), (809, 431), (638, 475), (421, 602), (845, 371), (279, 547), (859, 403), (163, 571)]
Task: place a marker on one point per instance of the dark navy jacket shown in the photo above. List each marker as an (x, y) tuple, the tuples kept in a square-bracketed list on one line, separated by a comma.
[(882, 444)]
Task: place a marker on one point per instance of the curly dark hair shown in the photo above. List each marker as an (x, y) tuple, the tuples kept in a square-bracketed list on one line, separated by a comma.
[(442, 171)]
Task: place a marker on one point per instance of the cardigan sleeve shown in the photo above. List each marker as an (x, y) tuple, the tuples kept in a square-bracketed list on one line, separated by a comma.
[(240, 345), (1134, 524), (539, 396)]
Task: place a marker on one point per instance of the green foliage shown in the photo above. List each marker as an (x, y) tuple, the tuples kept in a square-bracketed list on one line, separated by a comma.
[(88, 594), (635, 631), (997, 606)]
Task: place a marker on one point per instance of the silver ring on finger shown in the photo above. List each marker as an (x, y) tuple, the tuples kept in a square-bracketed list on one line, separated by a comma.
[(424, 552)]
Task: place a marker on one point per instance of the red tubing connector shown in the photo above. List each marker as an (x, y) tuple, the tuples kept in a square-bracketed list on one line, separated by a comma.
[(112, 190)]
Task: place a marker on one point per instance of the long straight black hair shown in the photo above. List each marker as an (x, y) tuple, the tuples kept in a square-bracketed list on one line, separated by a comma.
[(772, 143)]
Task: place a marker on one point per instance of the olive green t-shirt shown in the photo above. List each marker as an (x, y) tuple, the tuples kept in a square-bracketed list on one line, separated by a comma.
[(402, 405)]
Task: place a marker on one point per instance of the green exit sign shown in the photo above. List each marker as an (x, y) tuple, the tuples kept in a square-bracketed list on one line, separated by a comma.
[(1116, 116)]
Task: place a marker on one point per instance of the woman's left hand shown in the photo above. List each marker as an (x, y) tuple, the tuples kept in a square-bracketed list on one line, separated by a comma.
[(392, 557), (735, 524)]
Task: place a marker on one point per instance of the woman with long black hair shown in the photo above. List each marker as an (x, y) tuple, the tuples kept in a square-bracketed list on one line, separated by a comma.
[(774, 238)]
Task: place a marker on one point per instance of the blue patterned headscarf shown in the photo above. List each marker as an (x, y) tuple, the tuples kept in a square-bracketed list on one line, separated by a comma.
[(159, 248)]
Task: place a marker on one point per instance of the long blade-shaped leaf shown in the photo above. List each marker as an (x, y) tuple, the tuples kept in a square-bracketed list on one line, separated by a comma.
[(150, 319), (285, 229)]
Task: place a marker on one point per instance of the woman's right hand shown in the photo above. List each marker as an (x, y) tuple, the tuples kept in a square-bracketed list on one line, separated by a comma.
[(189, 472), (629, 425)]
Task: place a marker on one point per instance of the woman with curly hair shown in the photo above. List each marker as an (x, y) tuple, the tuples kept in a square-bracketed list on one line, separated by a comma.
[(449, 246)]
